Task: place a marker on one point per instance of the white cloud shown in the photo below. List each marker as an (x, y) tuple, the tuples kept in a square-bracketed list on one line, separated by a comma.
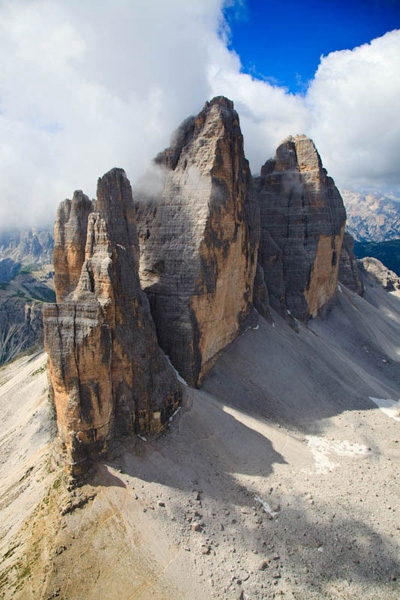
[(87, 86), (354, 101)]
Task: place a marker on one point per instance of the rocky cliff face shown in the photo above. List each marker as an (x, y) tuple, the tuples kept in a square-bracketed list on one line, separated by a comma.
[(348, 268), (199, 240), (302, 227), (108, 376), (69, 243)]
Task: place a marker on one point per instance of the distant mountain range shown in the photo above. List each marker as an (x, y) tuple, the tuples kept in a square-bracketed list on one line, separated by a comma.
[(372, 217), (26, 281)]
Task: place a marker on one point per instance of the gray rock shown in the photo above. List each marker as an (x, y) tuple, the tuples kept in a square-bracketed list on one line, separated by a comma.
[(199, 239), (302, 226), (109, 377), (348, 267)]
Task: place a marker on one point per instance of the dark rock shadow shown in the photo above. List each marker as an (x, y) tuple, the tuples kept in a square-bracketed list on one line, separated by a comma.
[(202, 450), (300, 379)]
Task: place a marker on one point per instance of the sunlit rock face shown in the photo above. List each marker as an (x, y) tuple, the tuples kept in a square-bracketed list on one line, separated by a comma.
[(199, 238), (109, 378), (302, 226)]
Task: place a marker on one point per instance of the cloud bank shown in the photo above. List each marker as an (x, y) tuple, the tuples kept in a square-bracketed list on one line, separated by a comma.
[(87, 86)]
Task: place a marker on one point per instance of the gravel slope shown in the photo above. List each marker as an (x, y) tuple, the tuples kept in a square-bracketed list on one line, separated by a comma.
[(278, 478)]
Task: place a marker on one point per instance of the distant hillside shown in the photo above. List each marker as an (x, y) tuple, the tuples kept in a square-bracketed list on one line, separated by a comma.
[(26, 282), (372, 217), (387, 252)]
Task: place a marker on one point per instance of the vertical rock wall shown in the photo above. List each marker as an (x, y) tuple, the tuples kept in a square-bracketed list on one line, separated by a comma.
[(348, 269), (302, 227), (199, 240), (109, 377)]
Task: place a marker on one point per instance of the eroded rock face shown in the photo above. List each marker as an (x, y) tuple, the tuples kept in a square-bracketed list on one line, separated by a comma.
[(69, 243), (109, 377), (302, 226), (199, 240), (348, 268)]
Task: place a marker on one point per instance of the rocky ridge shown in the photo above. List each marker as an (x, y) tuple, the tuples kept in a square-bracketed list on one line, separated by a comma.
[(109, 378)]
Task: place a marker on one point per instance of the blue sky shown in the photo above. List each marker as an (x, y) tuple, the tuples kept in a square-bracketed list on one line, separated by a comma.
[(282, 40), (84, 90)]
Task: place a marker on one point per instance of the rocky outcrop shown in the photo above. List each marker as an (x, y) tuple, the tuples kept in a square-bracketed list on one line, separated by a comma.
[(109, 377), (199, 240), (302, 226), (348, 267), (387, 278)]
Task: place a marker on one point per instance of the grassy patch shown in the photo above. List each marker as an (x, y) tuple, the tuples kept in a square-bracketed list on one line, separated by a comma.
[(26, 269), (39, 370)]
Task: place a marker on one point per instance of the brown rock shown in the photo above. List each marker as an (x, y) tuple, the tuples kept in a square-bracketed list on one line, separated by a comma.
[(69, 243), (199, 240), (302, 226), (109, 378)]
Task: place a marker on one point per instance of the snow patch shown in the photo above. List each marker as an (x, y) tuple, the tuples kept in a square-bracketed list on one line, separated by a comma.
[(323, 449), (179, 378), (390, 407), (265, 505), (174, 414)]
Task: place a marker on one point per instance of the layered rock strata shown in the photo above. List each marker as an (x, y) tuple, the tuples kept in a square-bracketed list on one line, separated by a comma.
[(302, 226), (109, 378), (199, 240), (348, 268)]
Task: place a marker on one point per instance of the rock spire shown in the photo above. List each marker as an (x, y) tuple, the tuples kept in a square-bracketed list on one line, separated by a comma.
[(302, 227), (109, 378), (199, 240)]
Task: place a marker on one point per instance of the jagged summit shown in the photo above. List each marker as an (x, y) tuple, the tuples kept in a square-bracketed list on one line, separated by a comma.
[(202, 260), (109, 377), (199, 240)]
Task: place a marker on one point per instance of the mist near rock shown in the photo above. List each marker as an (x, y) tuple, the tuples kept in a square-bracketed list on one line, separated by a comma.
[(83, 90)]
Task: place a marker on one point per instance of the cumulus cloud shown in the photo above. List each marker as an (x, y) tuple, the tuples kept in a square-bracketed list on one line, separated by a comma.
[(351, 110), (87, 86), (354, 102)]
